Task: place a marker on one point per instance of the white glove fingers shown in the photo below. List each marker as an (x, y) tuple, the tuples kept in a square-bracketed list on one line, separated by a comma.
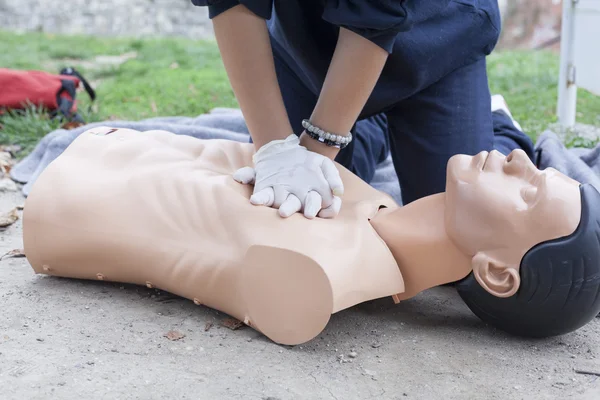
[(245, 175), (290, 206), (263, 198), (281, 195), (333, 210), (324, 190), (312, 204), (332, 175)]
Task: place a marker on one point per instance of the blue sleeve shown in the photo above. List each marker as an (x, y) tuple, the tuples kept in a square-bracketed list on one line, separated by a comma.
[(262, 8), (380, 21)]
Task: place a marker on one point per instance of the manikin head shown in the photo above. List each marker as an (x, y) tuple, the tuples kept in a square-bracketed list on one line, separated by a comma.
[(534, 241)]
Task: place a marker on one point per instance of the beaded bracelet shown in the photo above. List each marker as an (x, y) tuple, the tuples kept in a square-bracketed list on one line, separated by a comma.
[(327, 138)]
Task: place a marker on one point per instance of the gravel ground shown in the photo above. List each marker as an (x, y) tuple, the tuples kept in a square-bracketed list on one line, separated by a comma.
[(580, 135), (68, 339)]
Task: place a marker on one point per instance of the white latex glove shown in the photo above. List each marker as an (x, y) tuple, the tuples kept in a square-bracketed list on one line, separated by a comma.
[(289, 177)]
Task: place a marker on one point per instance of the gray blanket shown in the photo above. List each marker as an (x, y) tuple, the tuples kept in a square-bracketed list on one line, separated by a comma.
[(582, 165)]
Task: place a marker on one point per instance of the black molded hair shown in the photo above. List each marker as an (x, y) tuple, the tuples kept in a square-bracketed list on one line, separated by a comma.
[(560, 282)]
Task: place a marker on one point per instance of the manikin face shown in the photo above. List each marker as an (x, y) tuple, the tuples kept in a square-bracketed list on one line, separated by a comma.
[(497, 207)]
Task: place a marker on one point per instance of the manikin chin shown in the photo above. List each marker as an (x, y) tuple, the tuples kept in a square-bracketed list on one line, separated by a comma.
[(162, 210)]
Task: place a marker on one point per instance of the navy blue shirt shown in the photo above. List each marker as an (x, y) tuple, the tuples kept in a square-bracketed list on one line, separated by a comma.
[(426, 39)]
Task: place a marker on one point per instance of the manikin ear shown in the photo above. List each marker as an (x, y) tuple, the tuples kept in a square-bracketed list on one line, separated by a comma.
[(498, 279)]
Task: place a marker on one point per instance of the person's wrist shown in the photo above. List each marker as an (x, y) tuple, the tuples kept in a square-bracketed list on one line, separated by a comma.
[(318, 147), (276, 146), (260, 141)]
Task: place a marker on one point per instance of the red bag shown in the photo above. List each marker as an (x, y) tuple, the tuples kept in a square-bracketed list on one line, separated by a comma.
[(55, 93)]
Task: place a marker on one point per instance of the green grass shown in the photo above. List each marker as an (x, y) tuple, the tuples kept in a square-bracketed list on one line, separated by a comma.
[(186, 77), (528, 82), (167, 77)]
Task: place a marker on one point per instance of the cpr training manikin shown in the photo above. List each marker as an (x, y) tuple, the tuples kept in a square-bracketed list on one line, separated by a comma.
[(153, 208)]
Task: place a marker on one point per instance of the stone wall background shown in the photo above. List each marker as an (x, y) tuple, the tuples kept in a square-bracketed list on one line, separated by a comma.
[(530, 23), (526, 23), (107, 17)]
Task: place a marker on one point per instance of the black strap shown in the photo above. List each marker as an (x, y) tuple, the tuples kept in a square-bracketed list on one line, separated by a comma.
[(65, 104), (73, 72)]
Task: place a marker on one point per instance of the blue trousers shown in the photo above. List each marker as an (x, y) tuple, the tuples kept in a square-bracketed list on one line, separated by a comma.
[(451, 116)]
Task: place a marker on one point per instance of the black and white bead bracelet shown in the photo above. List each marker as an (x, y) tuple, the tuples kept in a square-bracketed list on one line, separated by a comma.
[(327, 138)]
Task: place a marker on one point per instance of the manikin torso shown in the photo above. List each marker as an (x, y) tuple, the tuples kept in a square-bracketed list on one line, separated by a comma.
[(162, 210)]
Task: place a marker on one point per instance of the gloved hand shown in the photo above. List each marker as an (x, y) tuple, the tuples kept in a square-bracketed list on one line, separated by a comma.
[(289, 177)]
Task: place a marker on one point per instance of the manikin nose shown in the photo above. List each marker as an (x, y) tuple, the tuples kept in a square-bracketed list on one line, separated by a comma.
[(517, 154), (518, 162)]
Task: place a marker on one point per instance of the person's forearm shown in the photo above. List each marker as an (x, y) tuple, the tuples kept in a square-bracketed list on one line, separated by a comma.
[(354, 70), (245, 48)]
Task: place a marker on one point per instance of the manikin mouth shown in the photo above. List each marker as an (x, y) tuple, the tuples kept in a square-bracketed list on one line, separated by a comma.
[(487, 157), (480, 160)]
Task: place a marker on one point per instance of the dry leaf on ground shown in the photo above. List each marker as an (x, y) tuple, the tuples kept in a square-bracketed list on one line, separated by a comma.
[(9, 218), (174, 335), (72, 125), (232, 323), (16, 253), (6, 162)]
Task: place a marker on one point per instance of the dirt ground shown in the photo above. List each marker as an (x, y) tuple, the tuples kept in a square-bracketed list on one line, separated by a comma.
[(68, 339)]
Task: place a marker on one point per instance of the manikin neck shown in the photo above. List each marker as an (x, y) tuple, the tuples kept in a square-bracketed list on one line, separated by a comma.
[(417, 238)]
